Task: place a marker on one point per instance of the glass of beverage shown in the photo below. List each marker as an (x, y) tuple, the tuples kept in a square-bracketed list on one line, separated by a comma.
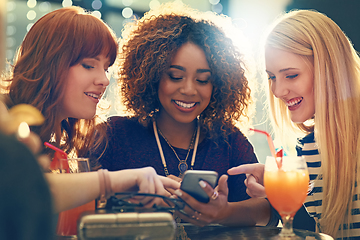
[(286, 184), (67, 221)]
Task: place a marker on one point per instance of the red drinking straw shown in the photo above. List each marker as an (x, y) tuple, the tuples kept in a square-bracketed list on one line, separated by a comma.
[(269, 139), (275, 154), (59, 154)]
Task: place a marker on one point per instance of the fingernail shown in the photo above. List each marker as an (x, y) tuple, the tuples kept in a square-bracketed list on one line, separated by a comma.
[(178, 192), (202, 184)]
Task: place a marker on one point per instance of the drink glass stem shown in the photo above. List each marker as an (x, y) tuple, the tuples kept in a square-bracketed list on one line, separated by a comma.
[(287, 229)]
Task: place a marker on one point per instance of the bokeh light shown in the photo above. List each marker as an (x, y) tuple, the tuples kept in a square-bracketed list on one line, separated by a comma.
[(127, 2), (11, 6), (96, 4), (218, 8), (31, 3), (154, 4), (31, 15), (67, 3), (127, 12), (11, 17), (214, 2), (10, 30), (29, 26), (96, 14), (45, 7)]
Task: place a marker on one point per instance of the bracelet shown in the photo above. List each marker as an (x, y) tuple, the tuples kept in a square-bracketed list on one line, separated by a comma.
[(105, 187), (108, 190)]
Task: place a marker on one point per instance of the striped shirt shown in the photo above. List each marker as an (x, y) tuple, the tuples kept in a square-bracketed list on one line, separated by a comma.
[(313, 203)]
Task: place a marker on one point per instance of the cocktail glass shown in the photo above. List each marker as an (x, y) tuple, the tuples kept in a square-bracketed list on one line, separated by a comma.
[(286, 187), (68, 220)]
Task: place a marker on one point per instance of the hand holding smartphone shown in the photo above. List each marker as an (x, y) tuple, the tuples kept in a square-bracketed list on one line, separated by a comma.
[(190, 183)]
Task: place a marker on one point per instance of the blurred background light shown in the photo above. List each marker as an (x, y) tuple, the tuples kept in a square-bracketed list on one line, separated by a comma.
[(214, 2), (11, 6), (154, 4), (96, 4), (96, 14), (29, 26), (67, 3), (10, 42), (31, 15), (11, 17), (31, 3), (218, 8), (127, 12), (10, 30), (44, 7), (127, 2)]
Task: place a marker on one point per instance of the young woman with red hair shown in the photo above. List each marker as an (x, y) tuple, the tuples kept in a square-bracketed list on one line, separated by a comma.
[(61, 69)]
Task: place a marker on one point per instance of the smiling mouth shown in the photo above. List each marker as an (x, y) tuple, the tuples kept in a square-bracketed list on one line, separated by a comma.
[(294, 102), (93, 95), (184, 105)]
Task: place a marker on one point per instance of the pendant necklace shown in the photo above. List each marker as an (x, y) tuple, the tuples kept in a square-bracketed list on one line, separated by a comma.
[(182, 163)]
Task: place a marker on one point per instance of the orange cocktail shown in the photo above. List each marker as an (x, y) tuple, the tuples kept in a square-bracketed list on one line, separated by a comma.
[(286, 190), (68, 220), (286, 185)]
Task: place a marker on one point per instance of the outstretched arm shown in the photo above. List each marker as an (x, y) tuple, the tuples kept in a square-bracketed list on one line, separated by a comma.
[(254, 178), (72, 190)]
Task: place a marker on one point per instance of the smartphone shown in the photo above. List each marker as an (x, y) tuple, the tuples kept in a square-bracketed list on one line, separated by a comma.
[(190, 183)]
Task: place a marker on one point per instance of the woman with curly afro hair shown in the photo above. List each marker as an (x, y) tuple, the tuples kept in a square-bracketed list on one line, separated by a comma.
[(184, 82)]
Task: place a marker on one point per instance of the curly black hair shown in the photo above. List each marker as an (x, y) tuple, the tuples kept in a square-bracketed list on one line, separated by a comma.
[(147, 48)]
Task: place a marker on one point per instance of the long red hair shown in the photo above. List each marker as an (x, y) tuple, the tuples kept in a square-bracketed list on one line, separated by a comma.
[(57, 41)]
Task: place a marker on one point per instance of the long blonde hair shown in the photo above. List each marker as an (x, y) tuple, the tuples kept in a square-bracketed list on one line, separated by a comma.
[(337, 117)]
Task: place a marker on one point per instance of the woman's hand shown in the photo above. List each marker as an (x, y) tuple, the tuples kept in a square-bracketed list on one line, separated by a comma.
[(175, 178), (202, 214), (142, 180), (254, 178)]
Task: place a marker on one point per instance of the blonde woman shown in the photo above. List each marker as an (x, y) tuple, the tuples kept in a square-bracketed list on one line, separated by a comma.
[(314, 86)]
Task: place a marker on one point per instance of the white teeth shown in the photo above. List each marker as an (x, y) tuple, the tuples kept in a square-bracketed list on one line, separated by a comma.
[(293, 102), (93, 95), (185, 105)]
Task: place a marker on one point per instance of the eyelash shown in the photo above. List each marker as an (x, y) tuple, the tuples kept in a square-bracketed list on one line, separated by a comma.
[(272, 78), (86, 66), (174, 78), (292, 76), (203, 81), (179, 78)]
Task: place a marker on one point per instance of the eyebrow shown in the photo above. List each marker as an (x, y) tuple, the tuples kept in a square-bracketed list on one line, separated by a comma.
[(282, 70), (183, 69), (286, 69), (107, 63)]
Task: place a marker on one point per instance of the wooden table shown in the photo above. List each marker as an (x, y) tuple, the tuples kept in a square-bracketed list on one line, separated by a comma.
[(215, 232), (218, 232)]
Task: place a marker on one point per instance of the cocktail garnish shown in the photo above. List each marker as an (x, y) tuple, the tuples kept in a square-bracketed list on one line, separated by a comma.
[(269, 139), (279, 158)]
